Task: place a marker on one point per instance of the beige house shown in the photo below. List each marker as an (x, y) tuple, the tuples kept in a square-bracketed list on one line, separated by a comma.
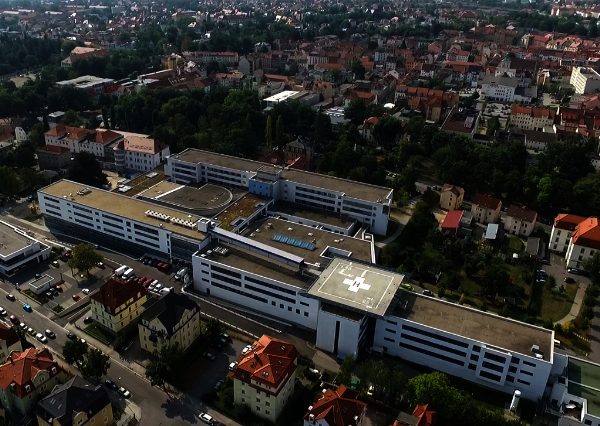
[(117, 304), (76, 403), (451, 197), (486, 209), (27, 376), (53, 157), (520, 220), (264, 379), (172, 319)]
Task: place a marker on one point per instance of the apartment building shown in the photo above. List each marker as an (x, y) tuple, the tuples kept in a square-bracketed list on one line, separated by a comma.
[(18, 250), (172, 319), (139, 153), (585, 240), (451, 197), (339, 407), (53, 157), (369, 204), (483, 348), (117, 304), (99, 143), (265, 377), (94, 86), (486, 209), (520, 220), (560, 237), (27, 376), (538, 119), (82, 53), (498, 88), (585, 80), (75, 403), (227, 58)]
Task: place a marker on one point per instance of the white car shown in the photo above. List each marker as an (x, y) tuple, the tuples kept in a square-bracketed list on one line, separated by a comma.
[(41, 338), (158, 286), (233, 366), (86, 291), (246, 350), (2, 311), (124, 392), (205, 418)]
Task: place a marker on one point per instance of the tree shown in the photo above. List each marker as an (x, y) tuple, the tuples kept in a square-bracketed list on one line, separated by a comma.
[(10, 184), (434, 389), (86, 170), (168, 365), (74, 352), (84, 258), (568, 328), (356, 111), (213, 329), (358, 69), (29, 178), (591, 265), (550, 283), (387, 130), (269, 133), (24, 155), (71, 119), (93, 122), (346, 370), (453, 283), (279, 131), (96, 364), (335, 76)]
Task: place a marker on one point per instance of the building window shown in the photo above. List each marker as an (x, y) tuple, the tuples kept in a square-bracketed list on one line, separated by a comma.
[(305, 313), (474, 357), (523, 381), (257, 408), (476, 348), (472, 367)]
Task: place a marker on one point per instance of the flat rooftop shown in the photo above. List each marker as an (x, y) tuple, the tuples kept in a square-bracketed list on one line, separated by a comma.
[(12, 240), (143, 182), (486, 328), (357, 286), (206, 197), (243, 208), (351, 188), (240, 259), (359, 249), (321, 216), (584, 381), (120, 205)]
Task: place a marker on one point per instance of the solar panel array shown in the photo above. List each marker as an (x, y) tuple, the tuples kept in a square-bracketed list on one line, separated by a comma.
[(293, 242)]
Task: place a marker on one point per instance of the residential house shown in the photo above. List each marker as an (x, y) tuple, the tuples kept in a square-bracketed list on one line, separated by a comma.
[(486, 209), (560, 237), (117, 304), (366, 129), (299, 147), (339, 407), (27, 376), (265, 377), (520, 220), (172, 319), (83, 53), (526, 118), (585, 240), (538, 140), (200, 57), (451, 197), (75, 403), (53, 157), (9, 340), (422, 416), (140, 153)]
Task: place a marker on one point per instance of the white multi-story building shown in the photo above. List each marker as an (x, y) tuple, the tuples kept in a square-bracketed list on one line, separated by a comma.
[(99, 143), (585, 240), (19, 250), (139, 153), (520, 220), (499, 88), (265, 377), (200, 57), (539, 119), (585, 80), (564, 225), (369, 204)]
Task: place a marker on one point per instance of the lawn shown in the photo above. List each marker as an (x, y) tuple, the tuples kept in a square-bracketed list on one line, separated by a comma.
[(94, 331), (40, 299), (556, 306), (515, 243)]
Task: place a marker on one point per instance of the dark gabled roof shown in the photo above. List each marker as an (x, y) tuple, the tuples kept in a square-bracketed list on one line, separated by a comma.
[(169, 310), (116, 292), (73, 397)]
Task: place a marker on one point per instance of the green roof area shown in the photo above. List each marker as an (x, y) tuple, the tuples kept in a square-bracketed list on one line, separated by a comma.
[(584, 381)]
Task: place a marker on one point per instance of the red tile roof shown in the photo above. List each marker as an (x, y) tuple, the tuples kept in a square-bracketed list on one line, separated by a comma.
[(426, 416), (54, 149), (271, 363), (452, 220), (486, 201), (337, 408), (116, 292), (587, 233), (567, 221), (22, 367), (521, 213)]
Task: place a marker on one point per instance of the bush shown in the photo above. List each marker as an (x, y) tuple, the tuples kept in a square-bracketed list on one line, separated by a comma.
[(587, 312), (462, 299), (558, 328), (505, 312), (589, 301), (484, 306), (304, 360), (568, 328), (549, 324), (58, 309)]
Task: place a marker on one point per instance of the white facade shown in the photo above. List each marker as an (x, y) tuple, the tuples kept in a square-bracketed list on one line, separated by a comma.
[(560, 239), (262, 294), (497, 91), (261, 400), (517, 226), (460, 356), (483, 214), (585, 80), (576, 254), (20, 250), (349, 332), (20, 134), (532, 120), (143, 161)]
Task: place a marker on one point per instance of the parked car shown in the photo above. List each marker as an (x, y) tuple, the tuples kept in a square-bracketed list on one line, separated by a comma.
[(233, 366), (27, 308), (86, 291), (407, 287), (110, 384), (11, 297), (76, 298), (14, 319), (23, 326), (209, 356), (55, 264), (88, 320), (217, 344), (50, 334), (49, 294), (219, 384), (428, 293), (58, 288), (246, 349), (38, 276), (124, 392), (205, 418), (41, 338), (71, 335), (224, 336), (569, 280), (31, 331)]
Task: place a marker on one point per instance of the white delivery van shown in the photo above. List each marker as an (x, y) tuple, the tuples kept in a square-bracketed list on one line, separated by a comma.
[(127, 274), (120, 270)]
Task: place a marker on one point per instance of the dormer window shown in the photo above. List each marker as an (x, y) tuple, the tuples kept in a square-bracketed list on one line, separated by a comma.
[(27, 388), (53, 370)]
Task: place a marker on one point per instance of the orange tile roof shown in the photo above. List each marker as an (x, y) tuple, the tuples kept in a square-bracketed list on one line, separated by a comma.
[(271, 363), (567, 221), (337, 407), (587, 233), (116, 292), (22, 367)]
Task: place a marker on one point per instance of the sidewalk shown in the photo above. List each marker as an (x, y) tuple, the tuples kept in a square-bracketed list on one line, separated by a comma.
[(577, 304)]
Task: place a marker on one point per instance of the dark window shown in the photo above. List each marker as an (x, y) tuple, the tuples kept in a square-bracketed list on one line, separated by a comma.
[(515, 360), (226, 272), (491, 366), (273, 286), (527, 373), (431, 354), (512, 369), (531, 364), (243, 293), (432, 344), (435, 336), (392, 322), (474, 357), (476, 348), (304, 304), (145, 229), (388, 339), (510, 379), (226, 279), (496, 358), (472, 367), (523, 381), (490, 376), (107, 216), (270, 293), (390, 330)]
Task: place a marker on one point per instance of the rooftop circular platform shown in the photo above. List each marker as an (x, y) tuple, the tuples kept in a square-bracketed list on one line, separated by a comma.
[(206, 198)]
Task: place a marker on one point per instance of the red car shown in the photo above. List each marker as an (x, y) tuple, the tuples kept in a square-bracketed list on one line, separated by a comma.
[(14, 319), (58, 288), (68, 255), (165, 267), (76, 298), (147, 281), (141, 280)]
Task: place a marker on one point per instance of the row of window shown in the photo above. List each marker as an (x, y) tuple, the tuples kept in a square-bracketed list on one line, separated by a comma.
[(141, 234), (147, 242), (227, 272), (270, 293), (240, 292), (83, 215), (226, 279), (431, 354), (116, 219), (120, 234), (435, 336), (145, 229), (75, 206), (273, 286), (112, 225), (433, 345)]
